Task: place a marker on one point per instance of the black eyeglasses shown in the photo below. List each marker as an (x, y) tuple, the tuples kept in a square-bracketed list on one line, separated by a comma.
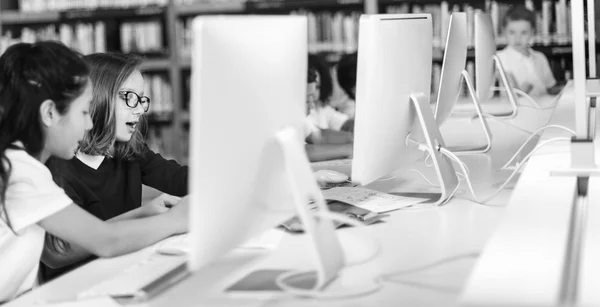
[(132, 99)]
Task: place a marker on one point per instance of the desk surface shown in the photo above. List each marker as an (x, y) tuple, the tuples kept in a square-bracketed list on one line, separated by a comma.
[(428, 253), (523, 261)]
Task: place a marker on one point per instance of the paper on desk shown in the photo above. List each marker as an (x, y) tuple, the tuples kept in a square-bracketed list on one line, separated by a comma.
[(372, 200)]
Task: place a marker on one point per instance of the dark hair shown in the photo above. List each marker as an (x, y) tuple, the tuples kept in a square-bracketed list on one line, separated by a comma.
[(320, 65), (519, 12), (108, 72), (312, 75), (29, 75), (346, 73)]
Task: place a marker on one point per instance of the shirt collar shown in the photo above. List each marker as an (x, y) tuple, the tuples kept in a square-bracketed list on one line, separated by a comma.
[(511, 49)]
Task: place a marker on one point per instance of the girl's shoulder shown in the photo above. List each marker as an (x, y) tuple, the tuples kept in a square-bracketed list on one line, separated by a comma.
[(23, 162)]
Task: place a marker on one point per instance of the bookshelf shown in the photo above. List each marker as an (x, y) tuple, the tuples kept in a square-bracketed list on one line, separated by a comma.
[(165, 38)]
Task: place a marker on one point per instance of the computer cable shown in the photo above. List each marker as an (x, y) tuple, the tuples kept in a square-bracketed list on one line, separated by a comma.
[(424, 148), (359, 291), (534, 103), (503, 186), (510, 161), (424, 177)]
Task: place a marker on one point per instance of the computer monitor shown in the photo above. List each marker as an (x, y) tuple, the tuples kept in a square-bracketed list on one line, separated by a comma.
[(453, 71), (487, 63), (248, 168), (392, 98)]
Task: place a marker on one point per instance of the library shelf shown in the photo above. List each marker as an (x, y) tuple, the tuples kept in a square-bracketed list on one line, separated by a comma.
[(210, 8)]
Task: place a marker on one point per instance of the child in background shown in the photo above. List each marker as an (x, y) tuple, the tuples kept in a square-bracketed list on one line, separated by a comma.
[(527, 69), (45, 94), (346, 76), (323, 144), (112, 162), (322, 114)]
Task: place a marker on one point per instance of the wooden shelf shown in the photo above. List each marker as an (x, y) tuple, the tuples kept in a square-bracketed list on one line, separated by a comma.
[(113, 13), (20, 18), (210, 8), (257, 6), (16, 17)]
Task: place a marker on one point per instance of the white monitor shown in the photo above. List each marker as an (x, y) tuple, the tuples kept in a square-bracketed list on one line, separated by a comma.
[(487, 63), (453, 71), (394, 69), (453, 64), (248, 168)]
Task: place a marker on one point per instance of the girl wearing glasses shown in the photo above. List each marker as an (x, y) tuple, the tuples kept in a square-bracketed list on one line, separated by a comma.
[(105, 178), (45, 95)]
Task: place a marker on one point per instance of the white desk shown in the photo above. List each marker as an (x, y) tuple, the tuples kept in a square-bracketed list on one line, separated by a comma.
[(524, 260), (431, 253)]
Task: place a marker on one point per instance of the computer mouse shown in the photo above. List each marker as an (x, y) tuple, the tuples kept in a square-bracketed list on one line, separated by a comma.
[(177, 245), (329, 176)]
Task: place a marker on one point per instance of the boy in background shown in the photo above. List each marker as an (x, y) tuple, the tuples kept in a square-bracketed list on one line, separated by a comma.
[(527, 69)]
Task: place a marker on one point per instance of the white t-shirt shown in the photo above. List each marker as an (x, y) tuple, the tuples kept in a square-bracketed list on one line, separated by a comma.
[(31, 196), (345, 105), (533, 69), (326, 117), (309, 128)]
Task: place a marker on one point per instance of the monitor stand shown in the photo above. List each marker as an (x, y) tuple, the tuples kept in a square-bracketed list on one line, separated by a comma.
[(446, 174), (461, 150), (304, 190), (509, 90)]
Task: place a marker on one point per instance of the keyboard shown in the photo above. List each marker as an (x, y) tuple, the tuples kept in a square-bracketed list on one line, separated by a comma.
[(141, 281)]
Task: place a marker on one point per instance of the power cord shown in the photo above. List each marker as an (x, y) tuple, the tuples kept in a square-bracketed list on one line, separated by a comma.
[(534, 103), (510, 161), (425, 177), (281, 280), (468, 180)]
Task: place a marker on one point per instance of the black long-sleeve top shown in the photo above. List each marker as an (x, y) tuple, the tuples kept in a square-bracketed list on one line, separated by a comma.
[(115, 187)]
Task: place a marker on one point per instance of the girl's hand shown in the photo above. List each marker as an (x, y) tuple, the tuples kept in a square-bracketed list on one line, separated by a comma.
[(180, 215), (160, 204)]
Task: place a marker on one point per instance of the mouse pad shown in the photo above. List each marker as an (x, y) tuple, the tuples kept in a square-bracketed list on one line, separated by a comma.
[(264, 280)]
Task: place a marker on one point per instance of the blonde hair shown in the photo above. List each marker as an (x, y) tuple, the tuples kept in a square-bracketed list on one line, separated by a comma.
[(108, 72)]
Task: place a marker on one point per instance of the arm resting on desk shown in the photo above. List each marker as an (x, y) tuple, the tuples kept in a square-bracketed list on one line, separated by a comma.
[(89, 235), (328, 136), (326, 144), (328, 151), (58, 253)]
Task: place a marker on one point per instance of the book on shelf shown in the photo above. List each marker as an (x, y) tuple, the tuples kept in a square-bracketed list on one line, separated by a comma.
[(138, 37), (85, 37), (158, 88), (66, 5), (553, 26), (334, 32), (142, 37)]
